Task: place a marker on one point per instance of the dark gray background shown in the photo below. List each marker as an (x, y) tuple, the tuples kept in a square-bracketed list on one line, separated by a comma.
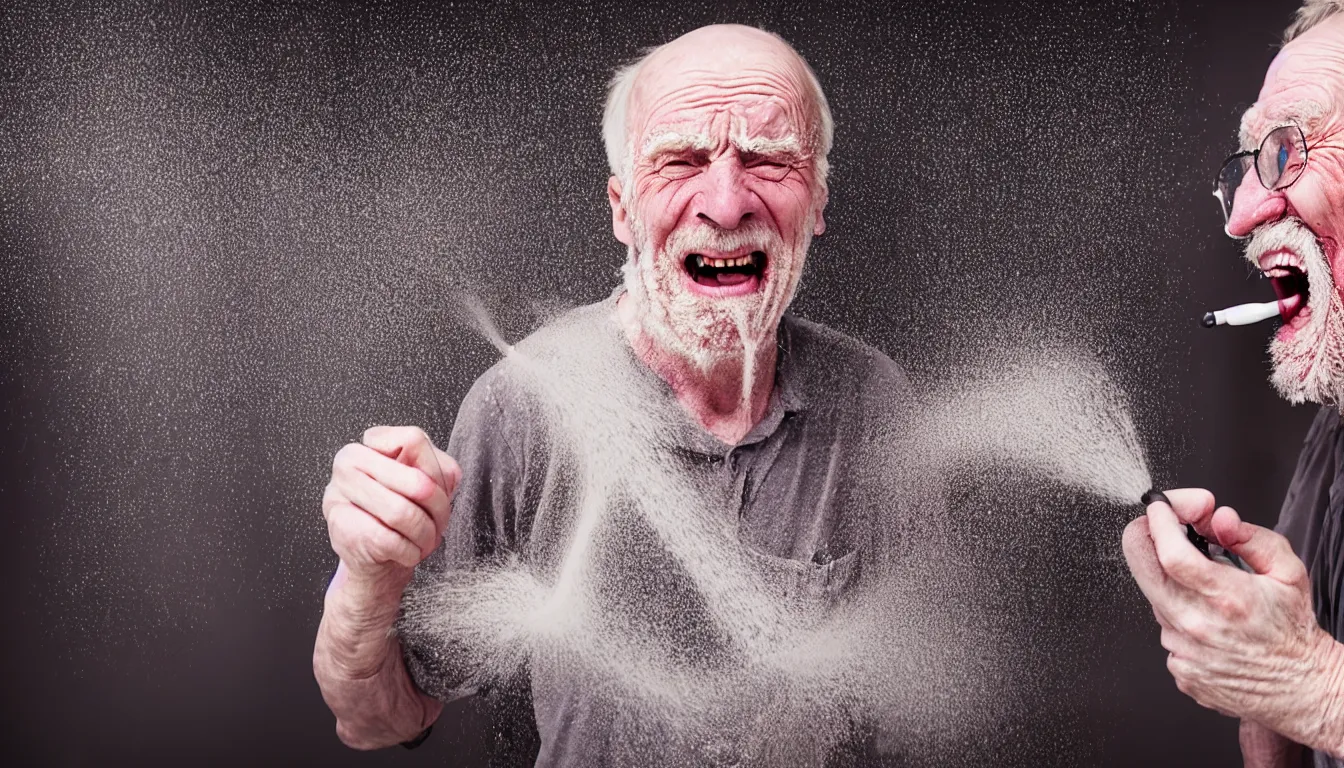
[(226, 232)]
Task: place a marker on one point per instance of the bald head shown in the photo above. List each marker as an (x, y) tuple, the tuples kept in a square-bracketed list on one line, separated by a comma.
[(715, 57)]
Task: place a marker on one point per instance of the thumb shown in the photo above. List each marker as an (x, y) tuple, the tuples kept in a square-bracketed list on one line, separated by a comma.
[(1265, 551)]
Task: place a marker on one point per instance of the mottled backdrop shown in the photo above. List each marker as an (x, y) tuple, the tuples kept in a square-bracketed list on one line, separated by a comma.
[(227, 234)]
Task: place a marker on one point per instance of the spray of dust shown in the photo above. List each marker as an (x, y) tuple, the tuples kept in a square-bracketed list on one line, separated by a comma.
[(1060, 417), (797, 670)]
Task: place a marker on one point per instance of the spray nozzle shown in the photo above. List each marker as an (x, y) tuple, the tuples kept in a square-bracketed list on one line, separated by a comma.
[(1201, 543), (1212, 551)]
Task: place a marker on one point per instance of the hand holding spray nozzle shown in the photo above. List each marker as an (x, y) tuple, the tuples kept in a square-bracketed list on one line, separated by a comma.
[(1209, 549)]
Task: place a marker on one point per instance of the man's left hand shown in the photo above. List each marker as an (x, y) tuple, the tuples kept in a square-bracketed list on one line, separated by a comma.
[(1244, 644)]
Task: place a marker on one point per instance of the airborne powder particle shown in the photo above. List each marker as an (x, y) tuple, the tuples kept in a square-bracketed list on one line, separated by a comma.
[(795, 670)]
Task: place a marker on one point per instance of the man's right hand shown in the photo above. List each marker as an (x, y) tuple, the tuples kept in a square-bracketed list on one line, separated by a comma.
[(387, 505), (386, 508)]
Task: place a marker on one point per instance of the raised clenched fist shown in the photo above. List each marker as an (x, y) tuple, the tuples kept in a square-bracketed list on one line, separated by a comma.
[(388, 502)]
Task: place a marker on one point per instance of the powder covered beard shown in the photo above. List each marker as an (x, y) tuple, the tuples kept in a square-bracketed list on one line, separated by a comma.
[(1310, 366), (707, 330)]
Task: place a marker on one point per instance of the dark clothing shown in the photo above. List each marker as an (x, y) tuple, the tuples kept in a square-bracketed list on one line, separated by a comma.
[(796, 491), (1312, 519)]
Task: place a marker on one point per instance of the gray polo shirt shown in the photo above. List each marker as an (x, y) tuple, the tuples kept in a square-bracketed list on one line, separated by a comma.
[(1312, 519), (801, 492)]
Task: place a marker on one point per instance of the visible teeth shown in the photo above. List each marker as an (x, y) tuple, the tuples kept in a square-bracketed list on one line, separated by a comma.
[(741, 261), (1280, 259)]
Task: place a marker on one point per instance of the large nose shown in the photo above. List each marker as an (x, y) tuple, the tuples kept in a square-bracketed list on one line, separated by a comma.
[(726, 200), (1254, 205)]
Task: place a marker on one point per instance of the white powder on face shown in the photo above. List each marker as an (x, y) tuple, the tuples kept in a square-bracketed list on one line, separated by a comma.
[(701, 329)]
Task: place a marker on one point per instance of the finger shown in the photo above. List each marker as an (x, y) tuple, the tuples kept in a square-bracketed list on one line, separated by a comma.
[(358, 537), (1193, 506), (405, 480), (1226, 527), (392, 509), (1141, 556), (1177, 556), (1265, 551), (410, 446)]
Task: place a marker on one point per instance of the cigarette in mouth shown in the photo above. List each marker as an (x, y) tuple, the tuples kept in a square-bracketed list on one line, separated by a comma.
[(1246, 314)]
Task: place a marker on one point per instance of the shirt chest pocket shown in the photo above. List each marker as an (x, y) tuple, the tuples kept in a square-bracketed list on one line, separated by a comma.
[(806, 582)]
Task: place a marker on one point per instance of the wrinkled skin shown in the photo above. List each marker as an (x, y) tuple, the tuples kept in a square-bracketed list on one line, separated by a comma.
[(1304, 85), (1248, 645), (722, 128), (1244, 644)]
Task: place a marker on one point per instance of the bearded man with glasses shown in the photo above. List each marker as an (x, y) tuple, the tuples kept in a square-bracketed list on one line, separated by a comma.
[(1262, 643)]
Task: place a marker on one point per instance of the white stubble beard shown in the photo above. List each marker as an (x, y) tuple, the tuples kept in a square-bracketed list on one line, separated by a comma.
[(1310, 367), (706, 331)]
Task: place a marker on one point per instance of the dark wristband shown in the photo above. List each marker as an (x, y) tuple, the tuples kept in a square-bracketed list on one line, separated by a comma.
[(418, 740)]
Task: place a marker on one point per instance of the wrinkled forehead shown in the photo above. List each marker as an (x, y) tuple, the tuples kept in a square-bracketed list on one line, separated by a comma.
[(745, 96), (1264, 116), (1303, 85), (746, 121)]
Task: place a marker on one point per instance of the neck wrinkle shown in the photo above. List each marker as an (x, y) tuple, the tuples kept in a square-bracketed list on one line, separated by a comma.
[(715, 395)]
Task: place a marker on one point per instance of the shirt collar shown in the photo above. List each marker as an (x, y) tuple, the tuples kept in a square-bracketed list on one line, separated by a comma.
[(786, 397)]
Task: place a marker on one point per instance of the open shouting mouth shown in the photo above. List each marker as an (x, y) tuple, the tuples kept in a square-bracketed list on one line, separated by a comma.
[(719, 274), (1291, 286)]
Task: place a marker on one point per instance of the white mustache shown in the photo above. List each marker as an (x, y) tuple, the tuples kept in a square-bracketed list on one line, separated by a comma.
[(756, 236), (1291, 234)]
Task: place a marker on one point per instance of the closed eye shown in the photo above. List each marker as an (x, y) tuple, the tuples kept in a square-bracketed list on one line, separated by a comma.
[(773, 169)]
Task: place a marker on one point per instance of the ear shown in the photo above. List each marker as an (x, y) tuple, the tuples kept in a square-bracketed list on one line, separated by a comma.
[(820, 227), (620, 219)]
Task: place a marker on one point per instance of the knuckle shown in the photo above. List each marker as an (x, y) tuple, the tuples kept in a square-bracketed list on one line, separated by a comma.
[(345, 457), (1298, 576), (330, 496), (1180, 568), (381, 545), (1168, 640), (1231, 607), (1197, 628), (338, 529), (401, 514), (1174, 667), (422, 487)]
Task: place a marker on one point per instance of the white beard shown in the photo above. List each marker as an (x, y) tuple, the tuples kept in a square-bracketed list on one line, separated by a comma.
[(1310, 367), (704, 330)]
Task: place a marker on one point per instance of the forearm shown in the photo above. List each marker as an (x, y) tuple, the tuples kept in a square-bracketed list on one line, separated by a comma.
[(359, 667), (1263, 748), (1331, 726)]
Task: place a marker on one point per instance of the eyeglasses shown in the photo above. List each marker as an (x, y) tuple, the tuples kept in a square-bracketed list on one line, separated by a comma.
[(1278, 163)]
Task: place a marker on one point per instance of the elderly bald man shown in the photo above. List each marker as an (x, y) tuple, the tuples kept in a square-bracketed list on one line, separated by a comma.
[(1265, 646), (717, 143)]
